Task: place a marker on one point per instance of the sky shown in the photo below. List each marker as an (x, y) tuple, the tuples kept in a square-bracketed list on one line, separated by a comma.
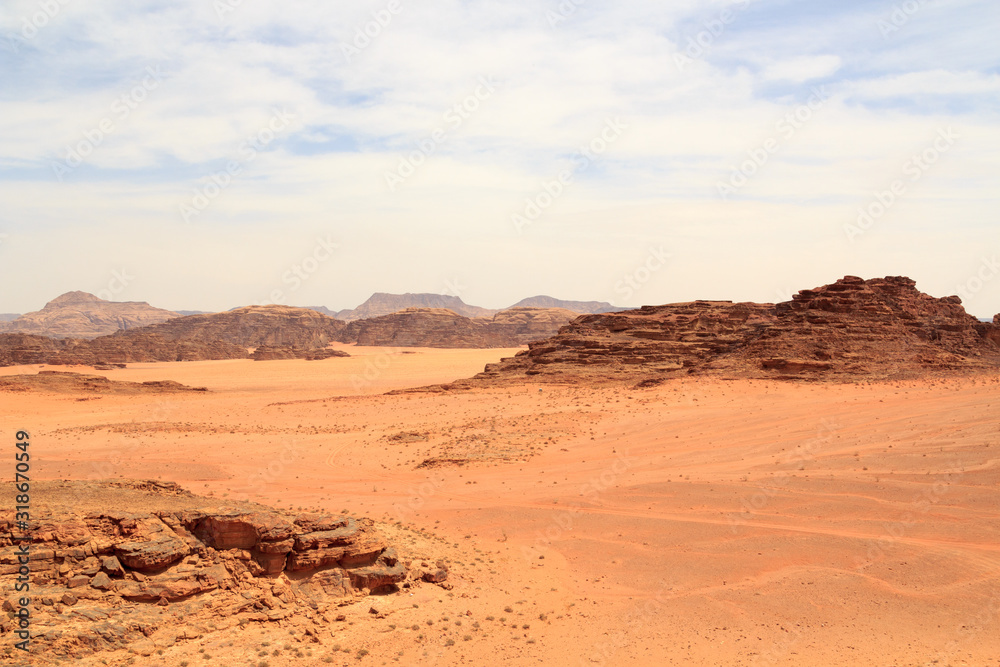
[(208, 154)]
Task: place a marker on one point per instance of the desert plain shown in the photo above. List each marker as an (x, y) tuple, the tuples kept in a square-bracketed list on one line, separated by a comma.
[(701, 521)]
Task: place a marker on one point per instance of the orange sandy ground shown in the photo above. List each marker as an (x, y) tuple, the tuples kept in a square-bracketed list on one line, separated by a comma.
[(702, 522)]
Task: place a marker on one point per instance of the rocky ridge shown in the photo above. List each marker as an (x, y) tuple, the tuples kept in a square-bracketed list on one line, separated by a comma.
[(853, 328), (79, 383), (442, 328), (100, 576), (253, 326), (133, 346)]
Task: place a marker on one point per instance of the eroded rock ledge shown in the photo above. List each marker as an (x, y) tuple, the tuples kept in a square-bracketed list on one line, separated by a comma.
[(102, 580)]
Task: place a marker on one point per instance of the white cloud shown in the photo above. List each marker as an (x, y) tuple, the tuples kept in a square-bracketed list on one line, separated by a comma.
[(225, 76), (800, 70)]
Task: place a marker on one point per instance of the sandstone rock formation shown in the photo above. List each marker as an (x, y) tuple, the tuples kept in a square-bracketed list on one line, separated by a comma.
[(78, 383), (252, 326), (380, 304), (524, 325), (83, 315), (437, 327), (133, 346), (422, 327), (854, 328), (580, 307), (273, 352), (99, 576)]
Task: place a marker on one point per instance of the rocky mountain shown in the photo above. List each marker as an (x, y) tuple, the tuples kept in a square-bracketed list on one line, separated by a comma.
[(583, 307), (386, 304), (853, 328), (380, 303), (83, 315), (251, 326), (9, 317), (439, 327)]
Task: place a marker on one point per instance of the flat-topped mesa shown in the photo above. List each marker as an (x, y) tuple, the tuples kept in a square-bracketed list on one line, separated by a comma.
[(443, 328), (853, 328)]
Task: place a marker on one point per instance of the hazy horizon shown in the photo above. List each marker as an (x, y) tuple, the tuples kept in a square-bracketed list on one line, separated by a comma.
[(732, 150)]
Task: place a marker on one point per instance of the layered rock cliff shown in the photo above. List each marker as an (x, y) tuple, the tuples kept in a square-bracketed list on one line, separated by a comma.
[(83, 315), (132, 346), (437, 327), (853, 328), (253, 326), (108, 559)]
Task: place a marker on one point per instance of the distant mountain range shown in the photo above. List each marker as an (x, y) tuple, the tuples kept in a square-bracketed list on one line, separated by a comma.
[(381, 303), (83, 315)]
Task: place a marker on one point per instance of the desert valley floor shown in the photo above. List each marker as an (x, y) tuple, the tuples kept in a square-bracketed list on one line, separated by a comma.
[(698, 522)]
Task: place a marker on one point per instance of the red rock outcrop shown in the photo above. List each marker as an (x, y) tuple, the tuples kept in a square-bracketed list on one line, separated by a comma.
[(241, 562), (253, 326), (876, 328), (78, 383), (423, 327), (436, 327), (83, 315), (133, 346), (273, 352), (525, 325)]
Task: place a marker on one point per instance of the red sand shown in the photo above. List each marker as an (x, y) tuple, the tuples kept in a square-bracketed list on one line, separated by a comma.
[(696, 523)]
